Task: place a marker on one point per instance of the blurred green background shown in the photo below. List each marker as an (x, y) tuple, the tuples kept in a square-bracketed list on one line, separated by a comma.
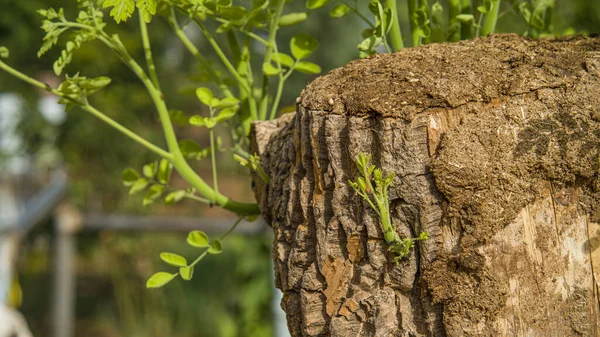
[(231, 293)]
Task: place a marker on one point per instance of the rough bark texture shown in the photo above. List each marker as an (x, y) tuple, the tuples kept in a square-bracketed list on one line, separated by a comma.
[(495, 144)]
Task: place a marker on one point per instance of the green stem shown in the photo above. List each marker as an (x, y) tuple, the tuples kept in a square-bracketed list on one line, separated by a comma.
[(453, 11), (224, 58), (273, 27), (231, 229), (213, 157), (414, 25), (282, 79), (119, 127), (491, 18), (196, 53), (395, 33), (478, 28), (465, 28), (359, 14), (221, 238), (243, 83), (148, 51), (197, 198), (177, 159), (425, 6)]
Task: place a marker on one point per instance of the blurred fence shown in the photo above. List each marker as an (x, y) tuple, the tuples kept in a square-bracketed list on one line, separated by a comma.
[(69, 222)]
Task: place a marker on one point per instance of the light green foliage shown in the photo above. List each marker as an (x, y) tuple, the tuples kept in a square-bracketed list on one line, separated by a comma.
[(4, 52), (196, 239), (376, 196), (121, 9), (253, 162), (537, 14), (229, 90)]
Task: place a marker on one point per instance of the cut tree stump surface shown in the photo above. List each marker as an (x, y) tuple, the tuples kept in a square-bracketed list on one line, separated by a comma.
[(495, 144)]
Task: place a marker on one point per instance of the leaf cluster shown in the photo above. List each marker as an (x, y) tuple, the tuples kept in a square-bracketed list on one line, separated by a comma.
[(154, 180), (196, 239), (372, 186)]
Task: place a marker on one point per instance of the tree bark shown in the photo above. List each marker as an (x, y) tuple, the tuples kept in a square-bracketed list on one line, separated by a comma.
[(495, 146)]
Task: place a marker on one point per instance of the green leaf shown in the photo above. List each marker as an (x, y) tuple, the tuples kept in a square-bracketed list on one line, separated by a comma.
[(122, 9), (91, 85), (251, 218), (164, 171), (186, 273), (486, 7), (153, 193), (130, 176), (302, 46), (368, 46), (227, 102), (138, 186), (159, 279), (269, 69), (210, 122), (198, 239), (175, 196), (174, 259), (339, 11), (314, 4), (465, 18), (216, 247), (197, 120), (4, 52), (292, 19), (243, 161), (147, 8), (178, 117), (307, 67), (225, 115), (233, 13), (283, 59), (149, 170), (189, 148), (204, 95)]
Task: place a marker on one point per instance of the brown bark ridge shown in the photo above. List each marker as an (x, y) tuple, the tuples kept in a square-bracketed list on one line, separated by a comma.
[(495, 145)]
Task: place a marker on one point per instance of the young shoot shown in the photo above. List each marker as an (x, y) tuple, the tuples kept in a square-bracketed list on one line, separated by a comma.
[(372, 186)]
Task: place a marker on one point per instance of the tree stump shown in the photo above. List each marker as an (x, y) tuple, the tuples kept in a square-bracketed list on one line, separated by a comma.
[(495, 145)]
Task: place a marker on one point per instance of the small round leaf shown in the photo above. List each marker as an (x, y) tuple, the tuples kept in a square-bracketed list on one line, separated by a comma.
[(269, 69), (138, 186), (314, 4), (284, 59), (186, 273), (339, 11), (216, 247), (129, 177), (227, 103), (175, 196), (204, 95), (292, 19), (174, 259), (159, 279), (197, 120), (302, 46), (4, 52), (149, 170), (307, 67), (198, 239)]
